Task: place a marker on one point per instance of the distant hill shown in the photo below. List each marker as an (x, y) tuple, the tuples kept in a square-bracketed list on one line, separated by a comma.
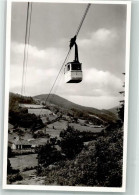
[(114, 110), (106, 115), (21, 99), (62, 102)]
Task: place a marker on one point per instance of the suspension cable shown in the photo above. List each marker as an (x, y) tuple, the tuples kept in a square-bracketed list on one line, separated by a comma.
[(28, 42), (23, 71), (82, 20), (27, 37), (56, 78), (77, 32)]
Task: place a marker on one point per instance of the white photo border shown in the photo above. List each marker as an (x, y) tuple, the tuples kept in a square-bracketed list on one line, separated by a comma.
[(6, 107)]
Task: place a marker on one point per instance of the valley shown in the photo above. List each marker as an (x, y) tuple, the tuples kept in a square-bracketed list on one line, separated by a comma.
[(42, 124)]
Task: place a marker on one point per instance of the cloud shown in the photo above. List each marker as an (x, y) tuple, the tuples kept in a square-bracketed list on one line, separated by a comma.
[(43, 66), (101, 102), (99, 79), (102, 37), (95, 83), (102, 80), (103, 50), (46, 58)]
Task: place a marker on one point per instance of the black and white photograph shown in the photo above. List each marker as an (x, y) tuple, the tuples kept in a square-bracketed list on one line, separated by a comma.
[(66, 95)]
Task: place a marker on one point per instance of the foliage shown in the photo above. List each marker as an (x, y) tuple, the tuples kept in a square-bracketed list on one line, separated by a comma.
[(40, 134), (10, 170), (19, 116), (76, 114), (48, 154), (14, 178), (71, 144), (88, 136), (29, 168), (99, 164), (22, 152), (121, 113), (122, 105), (10, 154), (16, 99), (25, 120), (110, 152)]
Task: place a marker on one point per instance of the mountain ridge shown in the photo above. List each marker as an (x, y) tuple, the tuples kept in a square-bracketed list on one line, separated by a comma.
[(62, 102), (54, 100)]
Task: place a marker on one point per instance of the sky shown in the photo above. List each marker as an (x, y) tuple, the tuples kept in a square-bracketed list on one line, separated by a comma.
[(101, 44)]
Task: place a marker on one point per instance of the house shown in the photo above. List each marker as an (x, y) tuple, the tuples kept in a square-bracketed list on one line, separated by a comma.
[(12, 145), (23, 144), (19, 145), (38, 142)]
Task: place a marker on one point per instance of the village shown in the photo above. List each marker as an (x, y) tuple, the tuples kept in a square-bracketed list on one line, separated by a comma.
[(21, 139), (23, 143)]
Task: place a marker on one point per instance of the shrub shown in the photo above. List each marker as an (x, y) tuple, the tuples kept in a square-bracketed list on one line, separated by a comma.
[(10, 170), (25, 120), (48, 154), (14, 178), (10, 154), (71, 143), (99, 164), (29, 168)]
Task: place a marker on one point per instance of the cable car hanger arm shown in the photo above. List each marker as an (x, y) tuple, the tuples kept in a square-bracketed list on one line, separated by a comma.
[(72, 43), (73, 40)]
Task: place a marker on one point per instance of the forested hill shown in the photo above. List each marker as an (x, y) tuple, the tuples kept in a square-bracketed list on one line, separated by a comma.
[(15, 98), (106, 115), (55, 100), (21, 99)]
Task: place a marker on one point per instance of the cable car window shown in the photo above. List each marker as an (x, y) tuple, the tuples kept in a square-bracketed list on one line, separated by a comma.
[(68, 67), (76, 66)]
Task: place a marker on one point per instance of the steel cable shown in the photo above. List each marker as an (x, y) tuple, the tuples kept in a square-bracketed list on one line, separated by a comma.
[(77, 32)]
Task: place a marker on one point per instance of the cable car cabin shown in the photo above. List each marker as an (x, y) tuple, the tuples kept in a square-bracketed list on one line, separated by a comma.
[(73, 72)]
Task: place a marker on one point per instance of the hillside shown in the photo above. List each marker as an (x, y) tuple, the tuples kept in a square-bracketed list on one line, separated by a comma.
[(105, 115), (62, 102), (114, 109), (20, 98)]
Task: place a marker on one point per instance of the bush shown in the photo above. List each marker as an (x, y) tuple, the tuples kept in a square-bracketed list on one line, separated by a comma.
[(10, 170), (14, 178), (25, 120), (12, 174), (99, 164), (48, 154), (71, 143), (10, 154), (29, 168)]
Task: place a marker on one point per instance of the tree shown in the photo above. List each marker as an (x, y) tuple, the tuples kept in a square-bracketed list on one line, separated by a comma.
[(9, 168), (122, 105), (48, 154), (121, 112), (98, 164), (25, 120), (9, 152), (71, 143)]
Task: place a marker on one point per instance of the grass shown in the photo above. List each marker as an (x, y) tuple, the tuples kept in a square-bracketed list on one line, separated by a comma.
[(24, 161), (53, 132), (85, 128), (59, 125), (37, 111), (31, 106)]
